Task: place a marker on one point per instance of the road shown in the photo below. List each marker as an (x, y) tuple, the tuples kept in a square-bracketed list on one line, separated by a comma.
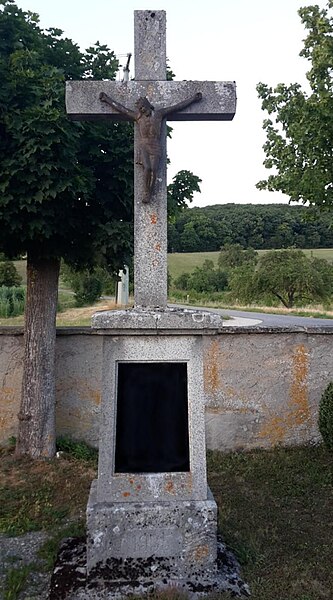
[(253, 319)]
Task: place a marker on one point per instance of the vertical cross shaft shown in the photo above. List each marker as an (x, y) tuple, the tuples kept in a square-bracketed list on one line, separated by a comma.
[(150, 219)]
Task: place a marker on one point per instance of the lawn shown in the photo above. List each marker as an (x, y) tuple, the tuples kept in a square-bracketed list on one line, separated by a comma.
[(275, 512)]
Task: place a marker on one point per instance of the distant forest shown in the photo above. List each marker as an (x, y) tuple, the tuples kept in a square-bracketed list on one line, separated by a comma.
[(251, 225)]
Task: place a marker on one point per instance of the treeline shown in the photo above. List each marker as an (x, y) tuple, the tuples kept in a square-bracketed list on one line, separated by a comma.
[(250, 225)]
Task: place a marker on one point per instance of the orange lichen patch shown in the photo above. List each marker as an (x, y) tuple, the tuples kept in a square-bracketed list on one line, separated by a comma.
[(211, 368), (201, 552), (274, 430), (298, 410), (299, 397), (7, 394), (131, 481), (158, 247), (82, 388), (126, 494), (169, 487), (153, 218), (95, 395)]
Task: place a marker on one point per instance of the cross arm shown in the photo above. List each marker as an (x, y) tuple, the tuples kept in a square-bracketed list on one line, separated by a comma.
[(218, 101)]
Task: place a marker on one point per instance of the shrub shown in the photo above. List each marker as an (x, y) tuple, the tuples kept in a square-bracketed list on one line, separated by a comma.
[(12, 301), (9, 275), (325, 422), (78, 449)]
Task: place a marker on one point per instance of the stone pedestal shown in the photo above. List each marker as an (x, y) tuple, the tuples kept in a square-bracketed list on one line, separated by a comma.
[(152, 543), (153, 528)]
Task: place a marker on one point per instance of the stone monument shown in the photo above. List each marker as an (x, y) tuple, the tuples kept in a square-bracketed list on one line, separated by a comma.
[(151, 519)]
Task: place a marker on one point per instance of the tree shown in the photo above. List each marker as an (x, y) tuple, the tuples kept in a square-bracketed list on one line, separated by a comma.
[(292, 277), (203, 279), (181, 191), (9, 275), (66, 191), (299, 144), (233, 255)]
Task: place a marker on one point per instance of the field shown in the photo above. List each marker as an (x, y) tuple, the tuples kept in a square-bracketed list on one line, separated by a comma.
[(181, 262)]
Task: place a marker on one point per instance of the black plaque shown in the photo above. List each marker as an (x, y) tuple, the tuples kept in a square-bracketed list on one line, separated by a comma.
[(152, 418)]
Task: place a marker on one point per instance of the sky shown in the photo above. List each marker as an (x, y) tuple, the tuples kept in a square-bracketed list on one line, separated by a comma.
[(247, 41)]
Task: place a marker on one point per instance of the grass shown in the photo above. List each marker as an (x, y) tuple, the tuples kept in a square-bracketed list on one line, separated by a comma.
[(275, 511), (16, 578), (68, 317), (41, 494), (179, 263), (186, 261)]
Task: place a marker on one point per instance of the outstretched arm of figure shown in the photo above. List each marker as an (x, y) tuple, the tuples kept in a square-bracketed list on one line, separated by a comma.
[(184, 104), (117, 106)]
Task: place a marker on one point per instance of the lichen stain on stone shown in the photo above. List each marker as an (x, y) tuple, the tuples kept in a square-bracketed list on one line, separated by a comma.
[(126, 494), (298, 412), (211, 369), (153, 218), (7, 394), (81, 387), (299, 397), (169, 487), (158, 247), (201, 552)]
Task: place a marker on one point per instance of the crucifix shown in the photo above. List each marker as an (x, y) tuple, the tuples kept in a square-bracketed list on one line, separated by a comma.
[(149, 100)]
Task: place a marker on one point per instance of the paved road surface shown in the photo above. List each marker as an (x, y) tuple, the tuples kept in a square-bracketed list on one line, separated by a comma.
[(251, 319)]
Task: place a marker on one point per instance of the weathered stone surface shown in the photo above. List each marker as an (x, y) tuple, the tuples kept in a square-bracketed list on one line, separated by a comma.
[(150, 44), (218, 98), (69, 579), (138, 319), (139, 487), (179, 536), (251, 377)]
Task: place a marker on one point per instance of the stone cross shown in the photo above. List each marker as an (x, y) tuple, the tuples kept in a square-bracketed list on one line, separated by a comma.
[(174, 100)]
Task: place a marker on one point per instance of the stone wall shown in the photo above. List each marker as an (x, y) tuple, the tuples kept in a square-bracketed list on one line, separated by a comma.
[(262, 386)]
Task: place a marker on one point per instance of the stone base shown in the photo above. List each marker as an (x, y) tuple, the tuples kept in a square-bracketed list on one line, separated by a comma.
[(171, 540), (70, 581)]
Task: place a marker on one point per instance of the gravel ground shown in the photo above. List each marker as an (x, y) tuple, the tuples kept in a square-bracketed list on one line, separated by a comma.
[(15, 552)]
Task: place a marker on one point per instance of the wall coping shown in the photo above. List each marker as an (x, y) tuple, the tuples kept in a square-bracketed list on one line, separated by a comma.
[(229, 329)]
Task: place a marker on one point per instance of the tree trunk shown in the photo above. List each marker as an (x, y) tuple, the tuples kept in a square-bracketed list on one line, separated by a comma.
[(36, 436)]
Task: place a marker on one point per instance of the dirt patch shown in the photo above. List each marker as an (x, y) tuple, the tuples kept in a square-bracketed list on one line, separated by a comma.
[(74, 315)]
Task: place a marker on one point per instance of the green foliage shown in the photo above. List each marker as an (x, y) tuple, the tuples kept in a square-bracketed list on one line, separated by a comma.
[(325, 421), (15, 580), (77, 449), (287, 275), (181, 191), (233, 255), (203, 279), (49, 550), (250, 226), (299, 129), (89, 284), (65, 188), (241, 283), (293, 278), (87, 287), (12, 301), (9, 275)]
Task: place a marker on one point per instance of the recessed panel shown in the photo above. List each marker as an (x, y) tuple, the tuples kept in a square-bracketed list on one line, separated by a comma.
[(152, 418)]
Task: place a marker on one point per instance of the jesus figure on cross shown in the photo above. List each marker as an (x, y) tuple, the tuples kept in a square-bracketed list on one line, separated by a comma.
[(149, 121)]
